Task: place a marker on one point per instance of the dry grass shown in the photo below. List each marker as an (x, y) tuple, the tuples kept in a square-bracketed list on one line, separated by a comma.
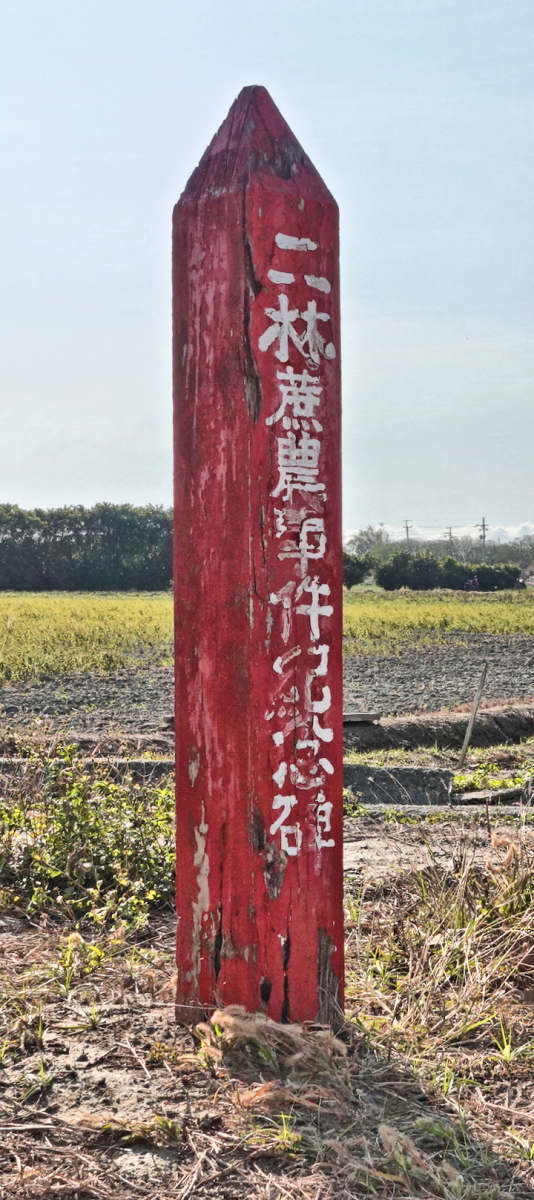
[(424, 1093), (441, 979)]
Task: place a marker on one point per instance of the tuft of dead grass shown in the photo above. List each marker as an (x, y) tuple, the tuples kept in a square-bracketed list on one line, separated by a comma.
[(425, 1092), (441, 979), (252, 1042)]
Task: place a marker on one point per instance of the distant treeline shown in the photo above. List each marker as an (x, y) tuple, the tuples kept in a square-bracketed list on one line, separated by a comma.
[(116, 547), (110, 547), (424, 571)]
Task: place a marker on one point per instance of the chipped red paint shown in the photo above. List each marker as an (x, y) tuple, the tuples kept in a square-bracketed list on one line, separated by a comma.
[(259, 912)]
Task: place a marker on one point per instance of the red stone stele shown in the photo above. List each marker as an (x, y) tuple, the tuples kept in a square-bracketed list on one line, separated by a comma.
[(258, 576)]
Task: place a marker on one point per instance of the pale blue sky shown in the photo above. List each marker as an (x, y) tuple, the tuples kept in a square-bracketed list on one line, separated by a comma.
[(419, 116)]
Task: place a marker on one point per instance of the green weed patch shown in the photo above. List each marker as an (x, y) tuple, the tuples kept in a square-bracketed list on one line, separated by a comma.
[(385, 622), (85, 848)]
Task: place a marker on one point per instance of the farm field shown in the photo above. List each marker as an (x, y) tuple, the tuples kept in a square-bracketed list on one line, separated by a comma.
[(383, 621), (425, 1094), (85, 661), (62, 633)]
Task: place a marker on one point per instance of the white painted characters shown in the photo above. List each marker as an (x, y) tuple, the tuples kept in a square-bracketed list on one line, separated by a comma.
[(290, 835), (323, 822), (319, 282), (298, 466), (312, 608), (301, 395), (287, 241), (308, 543), (301, 695), (309, 342)]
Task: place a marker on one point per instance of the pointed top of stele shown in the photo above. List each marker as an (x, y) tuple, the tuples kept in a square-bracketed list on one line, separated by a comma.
[(254, 136)]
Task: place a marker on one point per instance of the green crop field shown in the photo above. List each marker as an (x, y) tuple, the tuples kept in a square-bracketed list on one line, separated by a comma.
[(65, 632), (44, 634), (383, 621)]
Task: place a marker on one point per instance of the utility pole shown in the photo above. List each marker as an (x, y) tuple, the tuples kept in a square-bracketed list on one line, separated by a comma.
[(448, 534), (407, 527), (482, 535)]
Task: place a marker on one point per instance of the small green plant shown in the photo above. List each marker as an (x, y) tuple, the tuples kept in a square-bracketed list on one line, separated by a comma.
[(38, 1085), (399, 816), (278, 1134), (507, 1052), (85, 848), (487, 776), (525, 1148), (351, 805), (168, 1128)]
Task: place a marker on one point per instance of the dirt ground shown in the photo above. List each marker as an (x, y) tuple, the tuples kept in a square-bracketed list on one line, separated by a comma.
[(419, 678), (382, 846), (103, 1095)]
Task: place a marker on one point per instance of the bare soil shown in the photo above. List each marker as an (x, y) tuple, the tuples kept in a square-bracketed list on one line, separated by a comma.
[(418, 679), (382, 846), (103, 1095)]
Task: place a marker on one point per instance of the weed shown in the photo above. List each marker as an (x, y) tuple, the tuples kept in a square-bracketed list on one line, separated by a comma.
[(38, 1085), (488, 776), (351, 805), (524, 1147), (507, 1052), (81, 847)]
